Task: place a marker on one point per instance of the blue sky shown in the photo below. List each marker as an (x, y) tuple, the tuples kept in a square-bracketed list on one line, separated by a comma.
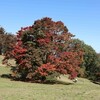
[(82, 17)]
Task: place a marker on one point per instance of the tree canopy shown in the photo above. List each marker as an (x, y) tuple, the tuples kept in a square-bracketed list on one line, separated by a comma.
[(45, 49)]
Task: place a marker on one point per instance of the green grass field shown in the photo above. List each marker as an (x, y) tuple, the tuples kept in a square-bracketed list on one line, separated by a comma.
[(15, 90)]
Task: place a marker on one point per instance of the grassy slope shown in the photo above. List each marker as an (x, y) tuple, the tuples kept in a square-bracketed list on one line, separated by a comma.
[(14, 90)]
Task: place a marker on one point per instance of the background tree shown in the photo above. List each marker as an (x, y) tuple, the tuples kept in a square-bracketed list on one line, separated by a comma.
[(43, 49), (97, 74), (90, 60), (2, 32), (6, 40)]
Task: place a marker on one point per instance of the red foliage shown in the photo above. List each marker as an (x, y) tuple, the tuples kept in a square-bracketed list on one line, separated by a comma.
[(66, 63), (45, 69)]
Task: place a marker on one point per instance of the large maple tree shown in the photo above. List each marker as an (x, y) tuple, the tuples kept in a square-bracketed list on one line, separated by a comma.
[(45, 48)]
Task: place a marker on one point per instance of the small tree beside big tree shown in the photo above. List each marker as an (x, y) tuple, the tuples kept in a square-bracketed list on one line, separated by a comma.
[(6, 40)]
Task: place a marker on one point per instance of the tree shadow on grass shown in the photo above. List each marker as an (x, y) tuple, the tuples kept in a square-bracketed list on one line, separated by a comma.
[(6, 76), (96, 82)]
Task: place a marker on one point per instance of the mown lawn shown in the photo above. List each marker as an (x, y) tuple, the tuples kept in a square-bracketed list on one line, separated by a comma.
[(14, 90)]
